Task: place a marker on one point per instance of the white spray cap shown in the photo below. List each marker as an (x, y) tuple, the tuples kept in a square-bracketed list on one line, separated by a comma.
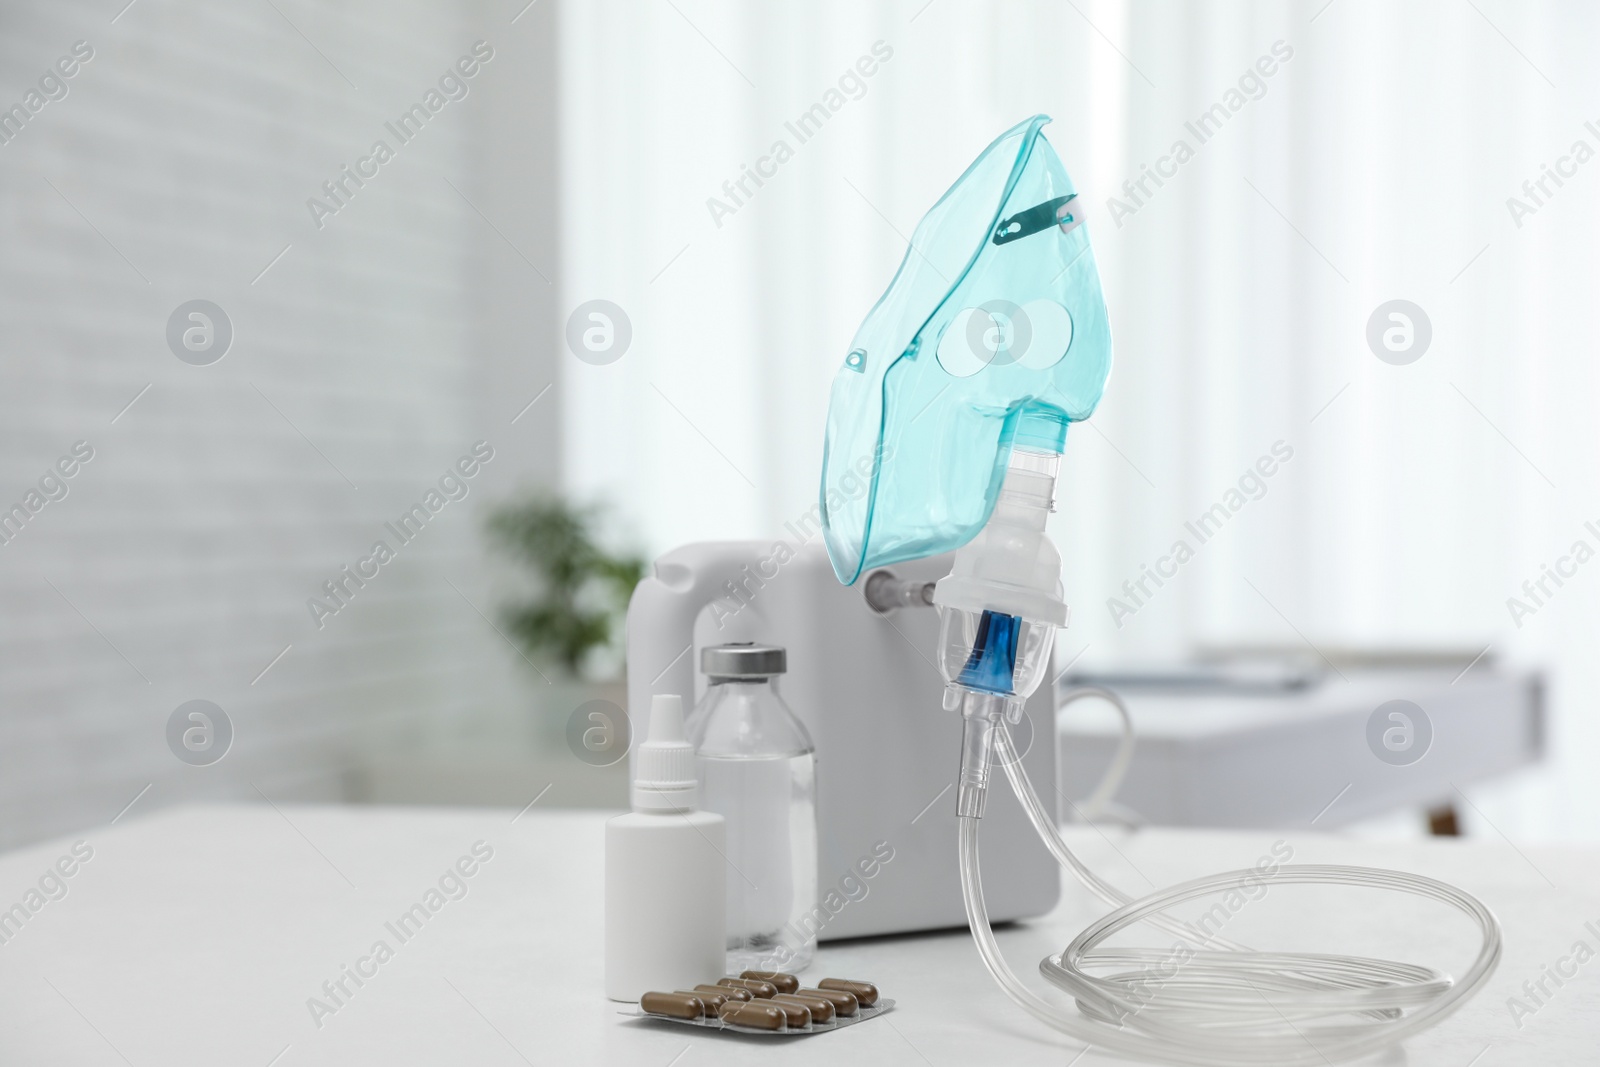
[(664, 765)]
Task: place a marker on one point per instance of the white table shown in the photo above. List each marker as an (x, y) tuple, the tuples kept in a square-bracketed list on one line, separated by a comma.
[(196, 935)]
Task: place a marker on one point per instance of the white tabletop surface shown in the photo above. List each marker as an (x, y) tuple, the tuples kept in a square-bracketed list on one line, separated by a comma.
[(197, 935)]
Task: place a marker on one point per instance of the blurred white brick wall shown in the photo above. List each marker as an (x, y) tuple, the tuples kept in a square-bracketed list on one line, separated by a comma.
[(177, 167)]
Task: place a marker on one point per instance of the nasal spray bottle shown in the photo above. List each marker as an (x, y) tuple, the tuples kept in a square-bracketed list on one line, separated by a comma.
[(665, 895)]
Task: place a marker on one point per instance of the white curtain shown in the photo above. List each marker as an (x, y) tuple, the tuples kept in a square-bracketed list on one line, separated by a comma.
[(1374, 162)]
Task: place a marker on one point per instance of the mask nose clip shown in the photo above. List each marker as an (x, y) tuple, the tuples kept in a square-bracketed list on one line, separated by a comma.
[(1057, 212)]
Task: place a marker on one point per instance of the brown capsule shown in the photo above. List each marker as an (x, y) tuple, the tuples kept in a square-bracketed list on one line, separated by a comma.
[(728, 992), (843, 1003), (757, 1014), (712, 1001), (865, 992), (785, 983), (821, 1010), (673, 1005), (757, 988), (794, 1013)]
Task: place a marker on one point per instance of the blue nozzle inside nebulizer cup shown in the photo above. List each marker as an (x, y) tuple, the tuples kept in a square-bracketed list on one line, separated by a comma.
[(1000, 607)]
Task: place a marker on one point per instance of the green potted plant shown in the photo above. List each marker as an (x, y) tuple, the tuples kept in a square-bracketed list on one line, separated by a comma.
[(567, 619), (571, 625), (573, 621)]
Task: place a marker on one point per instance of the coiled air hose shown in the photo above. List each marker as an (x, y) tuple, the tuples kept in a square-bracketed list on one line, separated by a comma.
[(1209, 1002)]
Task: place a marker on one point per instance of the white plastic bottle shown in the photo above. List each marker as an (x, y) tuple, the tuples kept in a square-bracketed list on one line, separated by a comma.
[(665, 886)]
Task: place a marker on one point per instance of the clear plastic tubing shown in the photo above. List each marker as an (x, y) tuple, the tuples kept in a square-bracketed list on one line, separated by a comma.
[(1221, 1005)]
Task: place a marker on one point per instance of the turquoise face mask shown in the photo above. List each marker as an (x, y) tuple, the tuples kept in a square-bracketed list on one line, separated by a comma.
[(993, 335)]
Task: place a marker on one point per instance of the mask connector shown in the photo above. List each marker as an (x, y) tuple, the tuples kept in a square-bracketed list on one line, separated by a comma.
[(885, 593)]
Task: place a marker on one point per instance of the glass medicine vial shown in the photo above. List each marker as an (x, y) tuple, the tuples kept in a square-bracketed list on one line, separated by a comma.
[(758, 771)]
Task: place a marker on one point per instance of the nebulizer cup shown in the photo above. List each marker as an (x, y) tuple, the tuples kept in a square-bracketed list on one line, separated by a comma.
[(999, 609)]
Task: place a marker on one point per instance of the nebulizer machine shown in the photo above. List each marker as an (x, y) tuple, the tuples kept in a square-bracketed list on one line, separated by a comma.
[(957, 393)]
